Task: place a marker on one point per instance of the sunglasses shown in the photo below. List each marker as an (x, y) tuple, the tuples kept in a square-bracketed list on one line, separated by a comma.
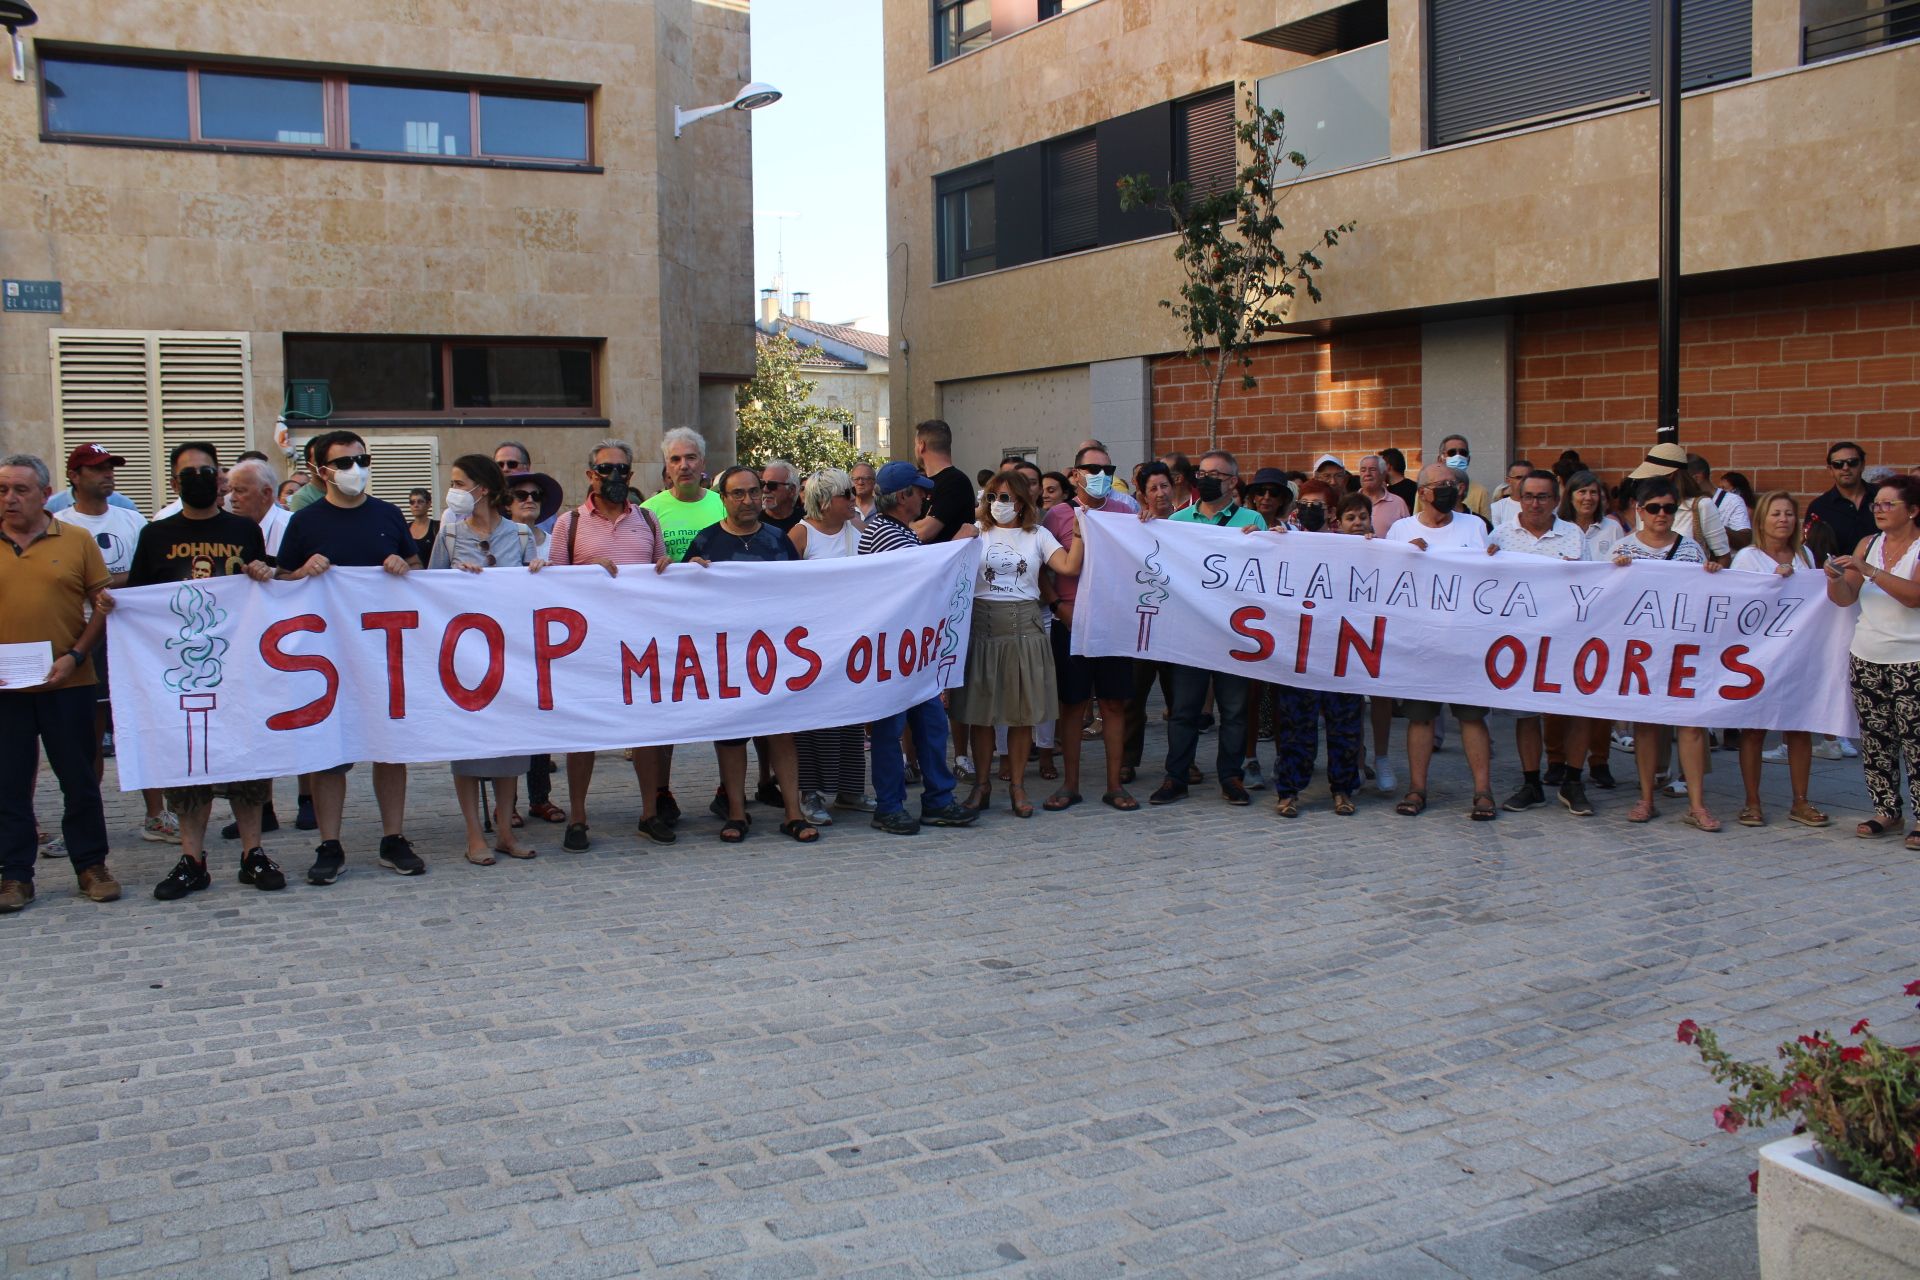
[(525, 495), (1659, 508), (1263, 493), (184, 472), (511, 467), (1097, 468), (1839, 464), (1458, 453), (843, 493), (776, 484), (607, 470), (486, 549), (351, 460)]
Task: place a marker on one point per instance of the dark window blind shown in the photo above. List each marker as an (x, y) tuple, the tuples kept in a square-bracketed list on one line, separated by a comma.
[(1073, 191), (1205, 142)]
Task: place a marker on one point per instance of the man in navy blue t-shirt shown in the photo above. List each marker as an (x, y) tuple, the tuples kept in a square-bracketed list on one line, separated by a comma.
[(348, 527)]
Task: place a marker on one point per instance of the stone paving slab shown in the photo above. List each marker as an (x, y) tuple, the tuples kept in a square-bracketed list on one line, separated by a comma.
[(1196, 1041)]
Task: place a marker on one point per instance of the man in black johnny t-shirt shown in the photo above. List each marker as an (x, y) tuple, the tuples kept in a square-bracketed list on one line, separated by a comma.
[(202, 541), (351, 529), (950, 507)]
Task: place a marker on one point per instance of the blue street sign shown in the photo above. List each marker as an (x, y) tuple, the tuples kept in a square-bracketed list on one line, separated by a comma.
[(32, 295)]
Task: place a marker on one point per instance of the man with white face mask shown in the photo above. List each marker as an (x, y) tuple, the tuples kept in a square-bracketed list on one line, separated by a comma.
[(351, 529)]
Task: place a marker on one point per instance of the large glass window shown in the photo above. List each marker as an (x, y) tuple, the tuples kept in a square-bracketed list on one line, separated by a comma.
[(415, 122), (372, 375), (961, 26), (123, 100), (1336, 108), (413, 376), (242, 108), (522, 376), (549, 128), (966, 223)]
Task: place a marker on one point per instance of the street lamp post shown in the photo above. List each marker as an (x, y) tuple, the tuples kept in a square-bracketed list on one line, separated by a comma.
[(1667, 50)]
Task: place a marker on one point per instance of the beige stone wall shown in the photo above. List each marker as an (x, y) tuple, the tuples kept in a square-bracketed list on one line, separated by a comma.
[(1797, 165), (864, 394), (654, 255)]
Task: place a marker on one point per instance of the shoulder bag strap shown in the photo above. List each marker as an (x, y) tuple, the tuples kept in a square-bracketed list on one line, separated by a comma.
[(573, 523)]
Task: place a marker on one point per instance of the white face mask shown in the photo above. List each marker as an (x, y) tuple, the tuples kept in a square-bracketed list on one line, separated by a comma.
[(458, 504), (1004, 510), (351, 481)]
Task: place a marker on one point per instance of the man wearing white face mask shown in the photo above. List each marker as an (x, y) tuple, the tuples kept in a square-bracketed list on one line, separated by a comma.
[(351, 529)]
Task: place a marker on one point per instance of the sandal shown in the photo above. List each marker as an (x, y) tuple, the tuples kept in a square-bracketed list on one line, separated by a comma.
[(1017, 801), (1483, 808), (484, 860), (1700, 821), (1061, 800), (1873, 828), (1808, 816), (796, 826), (978, 798), (1913, 840), (733, 831), (1122, 800), (1751, 816), (517, 820), (1287, 806), (548, 811), (1127, 774), (1413, 806), (1643, 812), (1006, 769), (1048, 769), (1343, 806), (520, 853)]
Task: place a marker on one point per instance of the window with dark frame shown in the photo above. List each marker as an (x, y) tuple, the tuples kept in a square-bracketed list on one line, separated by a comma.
[(218, 104), (381, 376), (961, 26), (966, 222)]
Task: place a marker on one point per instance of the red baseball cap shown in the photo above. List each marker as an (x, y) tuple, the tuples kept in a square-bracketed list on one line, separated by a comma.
[(94, 455)]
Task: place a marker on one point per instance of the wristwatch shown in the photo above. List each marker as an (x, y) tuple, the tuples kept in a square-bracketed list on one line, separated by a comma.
[(77, 656)]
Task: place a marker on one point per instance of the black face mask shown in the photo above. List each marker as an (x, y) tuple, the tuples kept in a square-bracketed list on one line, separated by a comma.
[(1210, 488), (615, 490), (1313, 517), (1446, 499), (199, 489)]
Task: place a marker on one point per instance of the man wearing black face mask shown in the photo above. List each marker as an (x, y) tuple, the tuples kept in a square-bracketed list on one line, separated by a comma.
[(203, 541)]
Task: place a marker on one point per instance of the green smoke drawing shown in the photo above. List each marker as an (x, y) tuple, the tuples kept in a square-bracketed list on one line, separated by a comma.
[(197, 651)]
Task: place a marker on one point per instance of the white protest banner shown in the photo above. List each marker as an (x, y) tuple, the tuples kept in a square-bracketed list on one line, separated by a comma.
[(1662, 643), (226, 678)]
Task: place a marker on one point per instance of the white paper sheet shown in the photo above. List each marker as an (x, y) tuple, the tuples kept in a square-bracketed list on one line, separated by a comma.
[(25, 664)]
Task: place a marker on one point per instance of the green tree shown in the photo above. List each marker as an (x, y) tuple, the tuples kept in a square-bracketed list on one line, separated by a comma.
[(777, 420), (1240, 284)]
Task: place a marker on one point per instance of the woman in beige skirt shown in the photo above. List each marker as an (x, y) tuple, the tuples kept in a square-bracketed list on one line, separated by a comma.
[(1009, 666)]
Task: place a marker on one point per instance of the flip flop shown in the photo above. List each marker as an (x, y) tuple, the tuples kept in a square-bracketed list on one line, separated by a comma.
[(1122, 800), (1061, 801)]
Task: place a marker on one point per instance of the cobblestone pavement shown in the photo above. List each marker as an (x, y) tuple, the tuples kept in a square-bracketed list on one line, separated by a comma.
[(1187, 1042)]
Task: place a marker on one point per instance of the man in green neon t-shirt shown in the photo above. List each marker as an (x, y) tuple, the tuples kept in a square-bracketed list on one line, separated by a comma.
[(685, 506)]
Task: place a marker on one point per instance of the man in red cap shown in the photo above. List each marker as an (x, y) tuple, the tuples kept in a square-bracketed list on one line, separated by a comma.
[(116, 531)]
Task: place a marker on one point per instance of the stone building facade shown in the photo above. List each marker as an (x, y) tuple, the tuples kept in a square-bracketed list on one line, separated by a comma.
[(472, 222)]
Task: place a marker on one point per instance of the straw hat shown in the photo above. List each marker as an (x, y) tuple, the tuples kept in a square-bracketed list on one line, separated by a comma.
[(1661, 460)]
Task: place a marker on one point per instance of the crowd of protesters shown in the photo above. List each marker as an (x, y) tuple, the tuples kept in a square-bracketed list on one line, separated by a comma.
[(1025, 690)]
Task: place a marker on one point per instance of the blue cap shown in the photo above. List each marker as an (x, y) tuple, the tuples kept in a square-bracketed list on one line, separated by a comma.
[(896, 476)]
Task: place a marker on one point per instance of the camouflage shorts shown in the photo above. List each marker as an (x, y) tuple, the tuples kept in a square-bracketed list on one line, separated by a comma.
[(249, 791)]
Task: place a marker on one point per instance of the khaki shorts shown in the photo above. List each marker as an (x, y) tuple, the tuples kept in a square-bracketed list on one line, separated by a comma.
[(256, 791)]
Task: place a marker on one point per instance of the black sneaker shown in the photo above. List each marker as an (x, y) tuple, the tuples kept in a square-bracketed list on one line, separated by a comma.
[(262, 872), (954, 814), (1529, 795), (666, 807), (768, 794), (188, 876), (657, 829), (1602, 776), (1554, 776), (329, 860), (900, 823), (269, 821), (397, 856), (575, 841), (304, 820), (1573, 794)]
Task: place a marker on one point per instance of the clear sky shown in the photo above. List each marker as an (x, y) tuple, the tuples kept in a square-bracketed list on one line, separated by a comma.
[(819, 155)]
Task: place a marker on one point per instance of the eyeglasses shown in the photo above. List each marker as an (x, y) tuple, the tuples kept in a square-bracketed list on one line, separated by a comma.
[(1659, 508), (1888, 506), (511, 467), (1436, 488), (1536, 497), (843, 493), (1097, 468), (1215, 475), (1841, 464), (743, 493), (1457, 453), (351, 460), (526, 495), (607, 470)]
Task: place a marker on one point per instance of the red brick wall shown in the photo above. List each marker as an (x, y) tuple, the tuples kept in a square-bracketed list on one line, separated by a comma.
[(1348, 396), (1769, 378)]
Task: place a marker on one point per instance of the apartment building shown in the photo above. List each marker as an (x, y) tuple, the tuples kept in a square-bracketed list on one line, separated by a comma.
[(1500, 160), (439, 225)]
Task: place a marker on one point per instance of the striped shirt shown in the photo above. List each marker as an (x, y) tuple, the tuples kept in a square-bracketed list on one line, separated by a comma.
[(884, 533), (632, 539)]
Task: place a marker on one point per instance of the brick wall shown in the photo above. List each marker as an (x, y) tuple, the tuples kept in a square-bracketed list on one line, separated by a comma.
[(1347, 396), (1768, 379)]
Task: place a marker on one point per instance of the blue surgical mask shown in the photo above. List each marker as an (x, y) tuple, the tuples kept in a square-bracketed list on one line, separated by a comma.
[(1458, 462), (1097, 485)]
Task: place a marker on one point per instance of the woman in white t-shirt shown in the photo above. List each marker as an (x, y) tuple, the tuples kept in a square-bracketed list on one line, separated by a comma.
[(1010, 679), (1584, 505), (1655, 503), (1776, 548)]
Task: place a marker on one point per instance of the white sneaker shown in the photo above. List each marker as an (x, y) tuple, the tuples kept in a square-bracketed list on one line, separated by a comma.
[(161, 829), (1826, 749), (1383, 776), (1622, 741), (813, 806), (1849, 750), (1251, 776), (1775, 755), (863, 803), (1677, 788), (963, 767)]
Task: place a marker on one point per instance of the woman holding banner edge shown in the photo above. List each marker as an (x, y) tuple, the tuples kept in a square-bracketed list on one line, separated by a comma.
[(1776, 548)]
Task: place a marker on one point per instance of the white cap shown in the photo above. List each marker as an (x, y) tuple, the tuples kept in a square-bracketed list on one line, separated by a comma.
[(1325, 458)]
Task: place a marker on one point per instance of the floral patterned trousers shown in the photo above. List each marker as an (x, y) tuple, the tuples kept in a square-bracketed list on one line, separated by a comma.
[(1296, 720), (1887, 698)]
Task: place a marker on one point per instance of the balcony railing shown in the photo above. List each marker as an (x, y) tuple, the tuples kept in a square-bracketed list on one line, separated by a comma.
[(1888, 24)]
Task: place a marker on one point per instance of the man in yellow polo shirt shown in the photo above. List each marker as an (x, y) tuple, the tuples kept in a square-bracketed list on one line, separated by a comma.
[(49, 573)]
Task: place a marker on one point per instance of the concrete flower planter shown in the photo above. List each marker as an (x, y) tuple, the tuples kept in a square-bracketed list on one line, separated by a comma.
[(1816, 1224)]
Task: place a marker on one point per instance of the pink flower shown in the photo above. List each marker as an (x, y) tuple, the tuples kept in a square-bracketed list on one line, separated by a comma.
[(1797, 1090), (1727, 1118), (1689, 1031), (1852, 1054), (1753, 1182), (1858, 1027)]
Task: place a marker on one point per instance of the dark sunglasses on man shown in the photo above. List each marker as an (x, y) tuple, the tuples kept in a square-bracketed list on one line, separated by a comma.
[(351, 460), (1843, 464), (1458, 453), (608, 470), (1098, 468)]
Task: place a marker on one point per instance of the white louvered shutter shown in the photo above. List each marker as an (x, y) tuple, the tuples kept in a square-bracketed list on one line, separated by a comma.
[(401, 463), (206, 386)]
